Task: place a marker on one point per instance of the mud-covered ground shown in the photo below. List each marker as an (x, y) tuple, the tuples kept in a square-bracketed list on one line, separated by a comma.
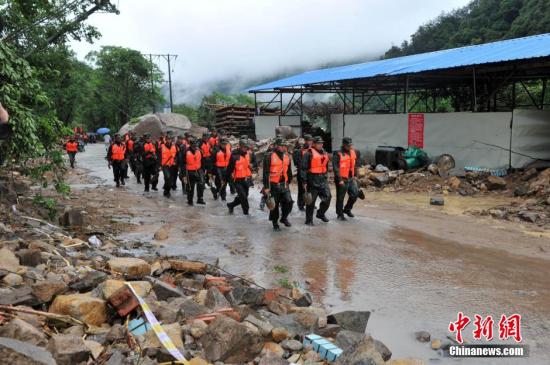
[(415, 266)]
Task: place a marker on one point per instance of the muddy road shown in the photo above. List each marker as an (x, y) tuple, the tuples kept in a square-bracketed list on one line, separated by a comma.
[(413, 265)]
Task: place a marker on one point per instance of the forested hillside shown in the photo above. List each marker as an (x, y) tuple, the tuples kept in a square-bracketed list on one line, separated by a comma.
[(481, 21)]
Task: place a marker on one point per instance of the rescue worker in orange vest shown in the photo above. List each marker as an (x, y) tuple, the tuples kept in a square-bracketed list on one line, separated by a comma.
[(182, 146), (116, 155), (213, 140), (130, 144), (344, 163), (194, 172), (149, 158), (223, 155), (167, 162), (72, 148), (207, 159), (297, 159), (240, 169), (277, 175), (314, 177)]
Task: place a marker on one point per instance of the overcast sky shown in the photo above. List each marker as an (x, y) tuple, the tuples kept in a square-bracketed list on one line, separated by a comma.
[(241, 41)]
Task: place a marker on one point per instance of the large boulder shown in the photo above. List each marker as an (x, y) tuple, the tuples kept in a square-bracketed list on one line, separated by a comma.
[(351, 320), (231, 342), (156, 124)]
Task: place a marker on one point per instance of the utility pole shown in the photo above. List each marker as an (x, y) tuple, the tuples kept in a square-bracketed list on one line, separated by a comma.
[(168, 58)]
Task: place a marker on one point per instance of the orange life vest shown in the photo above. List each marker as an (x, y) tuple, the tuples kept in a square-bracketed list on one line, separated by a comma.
[(205, 148), (130, 145), (168, 155), (222, 158), (149, 148), (242, 168), (319, 162), (278, 168), (228, 149), (71, 147), (117, 152), (347, 164), (193, 160), (213, 141)]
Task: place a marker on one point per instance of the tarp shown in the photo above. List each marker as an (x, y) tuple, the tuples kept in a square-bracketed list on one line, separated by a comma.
[(508, 50)]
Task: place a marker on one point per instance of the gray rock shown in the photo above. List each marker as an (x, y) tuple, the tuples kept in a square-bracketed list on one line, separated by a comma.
[(117, 332), (521, 190), (19, 296), (215, 299), (8, 261), (289, 322), (272, 359), (162, 290), (529, 216), (117, 358), (30, 257), (362, 353), (68, 349), (20, 330), (264, 327), (422, 336), (89, 280), (292, 345), (331, 330), (189, 309), (346, 339), (14, 352), (437, 201), (246, 295), (230, 341), (351, 320), (304, 301), (73, 218), (495, 183), (383, 350)]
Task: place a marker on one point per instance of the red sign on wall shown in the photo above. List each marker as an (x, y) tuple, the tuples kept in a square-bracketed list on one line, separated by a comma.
[(416, 130)]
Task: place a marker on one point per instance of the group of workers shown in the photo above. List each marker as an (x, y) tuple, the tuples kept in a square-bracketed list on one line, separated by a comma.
[(212, 162)]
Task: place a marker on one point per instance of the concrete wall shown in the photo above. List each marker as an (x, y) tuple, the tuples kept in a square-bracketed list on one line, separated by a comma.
[(466, 136), (265, 126), (530, 136), (292, 121)]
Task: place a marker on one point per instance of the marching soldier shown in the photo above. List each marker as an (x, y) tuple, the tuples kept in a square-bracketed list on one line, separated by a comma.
[(194, 172), (344, 166), (167, 162), (222, 157), (149, 158), (241, 169), (116, 155), (297, 157), (277, 175), (314, 180)]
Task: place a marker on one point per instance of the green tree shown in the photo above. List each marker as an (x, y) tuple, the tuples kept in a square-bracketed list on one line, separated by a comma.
[(122, 86)]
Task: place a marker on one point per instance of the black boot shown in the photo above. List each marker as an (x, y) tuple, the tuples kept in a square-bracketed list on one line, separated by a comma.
[(286, 222), (341, 217), (322, 217), (349, 213), (230, 207), (276, 227), (201, 202), (309, 223)]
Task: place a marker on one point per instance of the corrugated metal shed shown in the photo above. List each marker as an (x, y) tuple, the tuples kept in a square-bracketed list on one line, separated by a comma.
[(508, 50)]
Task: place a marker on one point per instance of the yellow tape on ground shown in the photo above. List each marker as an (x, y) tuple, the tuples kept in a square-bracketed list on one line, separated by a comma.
[(159, 331)]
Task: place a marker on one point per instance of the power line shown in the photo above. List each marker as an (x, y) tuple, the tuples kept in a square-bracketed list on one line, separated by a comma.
[(168, 58)]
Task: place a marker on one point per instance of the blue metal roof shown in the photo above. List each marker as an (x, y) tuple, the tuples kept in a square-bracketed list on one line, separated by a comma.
[(508, 50)]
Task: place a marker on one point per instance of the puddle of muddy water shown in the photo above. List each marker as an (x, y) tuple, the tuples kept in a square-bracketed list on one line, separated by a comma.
[(411, 281)]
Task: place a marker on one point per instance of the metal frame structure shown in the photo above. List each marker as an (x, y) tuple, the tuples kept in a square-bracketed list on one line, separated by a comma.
[(490, 87)]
